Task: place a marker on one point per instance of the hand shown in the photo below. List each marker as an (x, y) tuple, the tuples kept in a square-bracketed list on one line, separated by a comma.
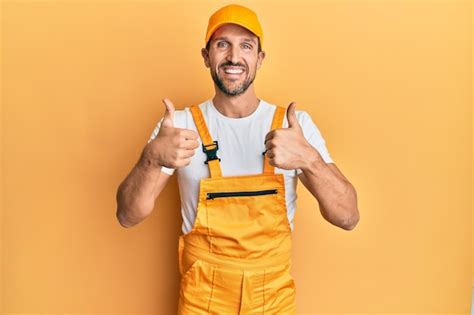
[(287, 148), (172, 147)]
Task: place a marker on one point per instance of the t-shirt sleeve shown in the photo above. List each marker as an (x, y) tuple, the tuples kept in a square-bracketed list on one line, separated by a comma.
[(153, 135), (313, 136)]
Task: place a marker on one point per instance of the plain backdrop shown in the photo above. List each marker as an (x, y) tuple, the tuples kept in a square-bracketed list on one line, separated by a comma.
[(388, 83)]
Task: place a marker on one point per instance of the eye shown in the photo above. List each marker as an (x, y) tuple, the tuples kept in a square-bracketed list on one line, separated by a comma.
[(219, 44), (247, 46)]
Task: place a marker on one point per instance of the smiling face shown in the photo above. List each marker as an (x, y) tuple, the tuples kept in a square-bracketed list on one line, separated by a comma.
[(233, 58)]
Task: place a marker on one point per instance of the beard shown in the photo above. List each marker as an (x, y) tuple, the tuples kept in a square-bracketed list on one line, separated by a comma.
[(230, 89)]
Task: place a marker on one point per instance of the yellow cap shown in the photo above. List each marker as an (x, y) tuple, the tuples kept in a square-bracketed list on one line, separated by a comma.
[(236, 14)]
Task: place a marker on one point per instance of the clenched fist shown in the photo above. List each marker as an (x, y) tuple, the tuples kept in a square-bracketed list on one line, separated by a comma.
[(287, 148), (172, 147)]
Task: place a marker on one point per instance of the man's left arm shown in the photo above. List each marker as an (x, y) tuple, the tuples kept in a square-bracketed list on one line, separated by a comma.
[(336, 196), (287, 148)]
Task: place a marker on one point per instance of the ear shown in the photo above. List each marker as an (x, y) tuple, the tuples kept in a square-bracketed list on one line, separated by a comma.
[(205, 55), (261, 56)]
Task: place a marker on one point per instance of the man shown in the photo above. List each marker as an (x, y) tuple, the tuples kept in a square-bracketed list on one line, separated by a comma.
[(238, 159)]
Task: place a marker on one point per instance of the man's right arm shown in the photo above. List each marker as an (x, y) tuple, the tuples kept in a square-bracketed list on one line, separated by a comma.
[(136, 195), (170, 147)]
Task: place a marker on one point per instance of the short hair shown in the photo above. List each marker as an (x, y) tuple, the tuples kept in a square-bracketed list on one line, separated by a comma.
[(208, 45)]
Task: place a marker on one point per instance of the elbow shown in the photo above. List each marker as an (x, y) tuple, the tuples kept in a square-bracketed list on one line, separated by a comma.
[(352, 219), (120, 212), (128, 218), (132, 216), (122, 219), (351, 222), (127, 221), (130, 213)]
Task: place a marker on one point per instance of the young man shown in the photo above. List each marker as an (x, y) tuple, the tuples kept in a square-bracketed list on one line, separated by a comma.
[(238, 159)]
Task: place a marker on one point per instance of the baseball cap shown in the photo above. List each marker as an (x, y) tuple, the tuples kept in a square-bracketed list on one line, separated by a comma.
[(236, 14)]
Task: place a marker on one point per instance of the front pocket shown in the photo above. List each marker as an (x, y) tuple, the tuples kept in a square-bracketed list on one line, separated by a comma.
[(213, 195), (193, 265), (280, 292), (197, 284), (246, 223)]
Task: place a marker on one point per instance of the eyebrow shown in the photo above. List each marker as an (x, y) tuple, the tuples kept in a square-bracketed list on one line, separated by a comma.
[(245, 39)]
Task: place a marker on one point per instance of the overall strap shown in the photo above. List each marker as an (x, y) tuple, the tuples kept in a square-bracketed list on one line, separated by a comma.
[(276, 123), (208, 146)]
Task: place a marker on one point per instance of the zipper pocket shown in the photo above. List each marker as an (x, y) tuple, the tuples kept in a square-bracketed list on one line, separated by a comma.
[(240, 193)]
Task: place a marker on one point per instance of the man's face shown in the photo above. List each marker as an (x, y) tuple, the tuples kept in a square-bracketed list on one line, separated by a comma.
[(233, 58)]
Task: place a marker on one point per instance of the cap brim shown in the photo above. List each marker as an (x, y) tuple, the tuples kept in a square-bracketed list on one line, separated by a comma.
[(215, 27)]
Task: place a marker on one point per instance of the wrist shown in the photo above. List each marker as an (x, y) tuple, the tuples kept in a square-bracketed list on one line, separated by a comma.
[(312, 162), (147, 161)]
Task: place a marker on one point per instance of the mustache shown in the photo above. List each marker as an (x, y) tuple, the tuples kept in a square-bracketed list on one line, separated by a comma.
[(233, 65)]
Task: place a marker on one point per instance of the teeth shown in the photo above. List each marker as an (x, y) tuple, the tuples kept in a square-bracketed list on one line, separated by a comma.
[(233, 70)]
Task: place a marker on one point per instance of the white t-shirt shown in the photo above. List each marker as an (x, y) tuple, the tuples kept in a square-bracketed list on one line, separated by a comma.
[(241, 143)]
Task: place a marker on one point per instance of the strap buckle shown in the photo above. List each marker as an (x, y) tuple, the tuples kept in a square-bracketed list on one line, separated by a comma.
[(211, 153)]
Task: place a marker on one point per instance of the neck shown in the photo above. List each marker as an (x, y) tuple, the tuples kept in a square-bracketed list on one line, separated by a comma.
[(236, 106)]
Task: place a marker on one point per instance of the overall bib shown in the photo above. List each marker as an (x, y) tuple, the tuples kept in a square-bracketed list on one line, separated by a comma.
[(237, 257)]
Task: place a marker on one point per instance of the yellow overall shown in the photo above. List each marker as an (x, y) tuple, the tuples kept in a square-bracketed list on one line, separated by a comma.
[(237, 257)]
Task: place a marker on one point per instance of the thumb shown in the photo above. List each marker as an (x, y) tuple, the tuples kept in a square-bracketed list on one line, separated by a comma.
[(291, 116), (169, 113)]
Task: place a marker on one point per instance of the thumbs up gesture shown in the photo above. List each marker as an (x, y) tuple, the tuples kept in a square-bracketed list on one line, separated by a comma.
[(287, 148), (169, 113), (172, 147)]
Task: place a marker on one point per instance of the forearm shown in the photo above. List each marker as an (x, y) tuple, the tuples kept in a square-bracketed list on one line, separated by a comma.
[(336, 196), (135, 195)]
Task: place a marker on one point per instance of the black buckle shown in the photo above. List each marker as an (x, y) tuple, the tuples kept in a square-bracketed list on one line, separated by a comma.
[(211, 153)]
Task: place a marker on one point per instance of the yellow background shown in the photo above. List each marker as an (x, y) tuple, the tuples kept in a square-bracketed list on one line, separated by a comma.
[(387, 82)]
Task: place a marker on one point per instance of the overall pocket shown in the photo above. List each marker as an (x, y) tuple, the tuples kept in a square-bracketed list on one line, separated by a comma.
[(246, 223), (280, 293), (197, 284), (195, 264), (213, 195)]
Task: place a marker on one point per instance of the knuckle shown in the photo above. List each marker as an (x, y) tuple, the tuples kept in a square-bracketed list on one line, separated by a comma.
[(176, 156), (176, 132), (180, 154), (175, 141), (179, 162), (181, 145)]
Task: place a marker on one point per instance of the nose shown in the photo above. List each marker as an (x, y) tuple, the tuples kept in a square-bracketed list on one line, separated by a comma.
[(233, 55)]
